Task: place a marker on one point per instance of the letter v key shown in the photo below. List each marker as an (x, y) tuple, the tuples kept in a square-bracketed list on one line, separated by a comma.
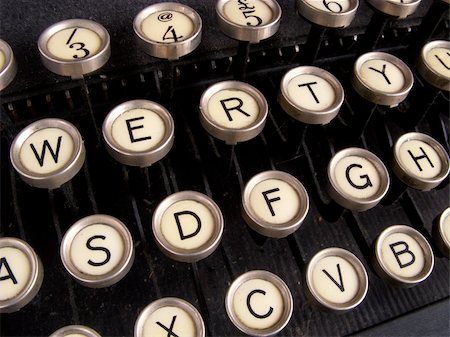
[(336, 267)]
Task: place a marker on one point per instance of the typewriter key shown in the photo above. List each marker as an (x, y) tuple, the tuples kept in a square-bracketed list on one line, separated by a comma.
[(233, 111), (332, 14), (274, 204), (75, 331), (48, 153), (441, 232), (403, 256), (420, 161), (187, 226), (168, 30), (74, 47), (311, 95), (169, 316), (248, 20), (8, 66), (21, 274), (382, 78), (434, 64), (336, 280), (97, 251), (357, 179), (397, 8), (138, 132), (259, 303)]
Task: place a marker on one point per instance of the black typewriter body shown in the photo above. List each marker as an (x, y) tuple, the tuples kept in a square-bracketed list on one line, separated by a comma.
[(201, 163)]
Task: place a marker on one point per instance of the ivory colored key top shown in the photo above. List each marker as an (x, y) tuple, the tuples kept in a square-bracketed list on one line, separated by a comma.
[(311, 95), (75, 331), (138, 132), (48, 153), (403, 256), (441, 232), (358, 179), (336, 280), (74, 47), (420, 161), (382, 78), (397, 8), (248, 20), (169, 316), (434, 64), (332, 14), (259, 303), (168, 30), (21, 274), (97, 251), (187, 226), (233, 111), (8, 66), (274, 203)]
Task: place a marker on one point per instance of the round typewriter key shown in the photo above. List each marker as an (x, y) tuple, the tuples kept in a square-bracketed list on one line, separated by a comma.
[(8, 66), (248, 20), (382, 78), (434, 64), (233, 111), (21, 274), (187, 226), (74, 47), (48, 153), (168, 30), (420, 161), (358, 179), (75, 331), (97, 251), (311, 95), (274, 204), (333, 14), (397, 8), (403, 256), (336, 280), (169, 316), (138, 132), (259, 303), (441, 232)]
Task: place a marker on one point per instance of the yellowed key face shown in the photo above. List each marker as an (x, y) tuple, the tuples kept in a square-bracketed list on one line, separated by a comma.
[(258, 304), (335, 279), (335, 6), (233, 109), (439, 60), (173, 319), (420, 159), (357, 177), (74, 43), (97, 249), (47, 150), (138, 130), (2, 61), (15, 272), (275, 201), (187, 224), (167, 27), (402, 255), (311, 92), (248, 12), (383, 76)]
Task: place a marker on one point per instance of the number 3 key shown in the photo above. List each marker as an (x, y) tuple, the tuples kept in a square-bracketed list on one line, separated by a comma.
[(74, 47)]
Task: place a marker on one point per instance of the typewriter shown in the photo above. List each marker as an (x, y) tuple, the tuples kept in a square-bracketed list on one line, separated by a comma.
[(315, 225)]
